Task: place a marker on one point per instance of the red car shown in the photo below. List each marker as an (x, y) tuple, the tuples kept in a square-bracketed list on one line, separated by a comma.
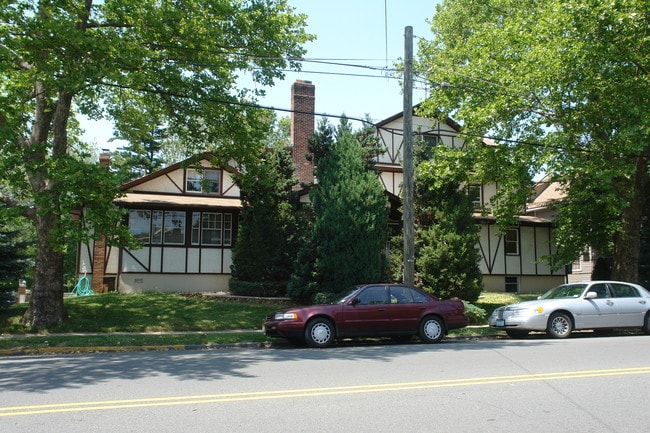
[(370, 310)]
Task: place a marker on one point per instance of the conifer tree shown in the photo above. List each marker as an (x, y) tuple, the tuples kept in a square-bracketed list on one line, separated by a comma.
[(446, 235), (348, 234)]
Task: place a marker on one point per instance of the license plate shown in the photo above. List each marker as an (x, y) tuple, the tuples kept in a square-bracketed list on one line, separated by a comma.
[(500, 323)]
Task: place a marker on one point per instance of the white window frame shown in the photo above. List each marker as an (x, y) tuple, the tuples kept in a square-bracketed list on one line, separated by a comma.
[(203, 181)]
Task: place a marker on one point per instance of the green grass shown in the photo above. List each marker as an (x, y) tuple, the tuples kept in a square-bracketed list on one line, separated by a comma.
[(145, 320)]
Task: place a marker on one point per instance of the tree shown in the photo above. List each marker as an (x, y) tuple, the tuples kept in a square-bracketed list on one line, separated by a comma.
[(563, 87), (142, 156), (266, 241), (350, 215), (446, 257), (171, 62), (15, 259)]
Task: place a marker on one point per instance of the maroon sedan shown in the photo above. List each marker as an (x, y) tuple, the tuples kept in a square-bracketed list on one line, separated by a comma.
[(370, 310)]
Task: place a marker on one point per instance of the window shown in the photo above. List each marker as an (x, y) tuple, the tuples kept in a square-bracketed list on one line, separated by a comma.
[(211, 228), (174, 232), (624, 291), (140, 225), (512, 284), (203, 181), (511, 240), (474, 193), (157, 227), (373, 295), (428, 142)]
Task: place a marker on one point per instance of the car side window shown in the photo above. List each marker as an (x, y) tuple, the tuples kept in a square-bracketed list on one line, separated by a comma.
[(373, 295), (624, 291), (418, 297), (601, 290), (400, 295)]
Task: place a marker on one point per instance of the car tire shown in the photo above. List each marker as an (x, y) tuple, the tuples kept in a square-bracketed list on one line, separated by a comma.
[(432, 329), (514, 333), (559, 325), (319, 333), (646, 323)]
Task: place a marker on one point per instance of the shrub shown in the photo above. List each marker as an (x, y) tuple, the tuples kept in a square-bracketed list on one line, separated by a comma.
[(475, 314)]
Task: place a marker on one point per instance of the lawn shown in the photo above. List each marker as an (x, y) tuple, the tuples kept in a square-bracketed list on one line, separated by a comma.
[(123, 321)]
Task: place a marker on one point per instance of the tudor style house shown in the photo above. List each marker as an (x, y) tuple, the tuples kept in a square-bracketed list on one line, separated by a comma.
[(511, 262), (186, 217)]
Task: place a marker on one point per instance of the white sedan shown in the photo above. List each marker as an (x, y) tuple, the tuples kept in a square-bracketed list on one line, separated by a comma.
[(597, 305)]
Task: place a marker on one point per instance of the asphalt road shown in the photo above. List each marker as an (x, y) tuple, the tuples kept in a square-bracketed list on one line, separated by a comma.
[(583, 384)]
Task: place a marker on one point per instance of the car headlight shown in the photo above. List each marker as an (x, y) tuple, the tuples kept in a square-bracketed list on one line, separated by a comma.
[(525, 311), (286, 316)]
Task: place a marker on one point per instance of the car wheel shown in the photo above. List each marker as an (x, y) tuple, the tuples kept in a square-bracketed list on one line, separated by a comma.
[(559, 325), (319, 333), (646, 323), (513, 333), (431, 329)]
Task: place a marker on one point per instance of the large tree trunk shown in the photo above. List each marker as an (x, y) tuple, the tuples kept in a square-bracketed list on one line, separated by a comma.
[(627, 245), (46, 307)]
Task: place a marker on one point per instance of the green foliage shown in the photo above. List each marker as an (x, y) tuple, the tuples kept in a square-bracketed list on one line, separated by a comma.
[(141, 64), (563, 87), (267, 239), (142, 156), (475, 314), (345, 243), (446, 235), (15, 260)]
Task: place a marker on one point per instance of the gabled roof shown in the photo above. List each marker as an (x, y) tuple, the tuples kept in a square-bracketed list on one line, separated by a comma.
[(546, 192), (448, 121), (189, 162)]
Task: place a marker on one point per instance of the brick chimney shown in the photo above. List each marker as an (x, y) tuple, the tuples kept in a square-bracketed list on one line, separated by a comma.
[(99, 246), (302, 127)]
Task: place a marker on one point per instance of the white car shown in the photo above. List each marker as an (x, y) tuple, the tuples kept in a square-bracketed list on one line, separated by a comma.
[(597, 305)]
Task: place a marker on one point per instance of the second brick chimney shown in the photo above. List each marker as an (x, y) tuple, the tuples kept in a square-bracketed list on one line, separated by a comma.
[(303, 104)]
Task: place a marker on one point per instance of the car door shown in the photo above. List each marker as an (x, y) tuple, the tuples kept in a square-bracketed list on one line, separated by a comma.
[(598, 312), (631, 306), (367, 313), (406, 309)]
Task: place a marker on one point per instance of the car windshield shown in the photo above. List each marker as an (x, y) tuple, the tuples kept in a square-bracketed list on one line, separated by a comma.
[(344, 296), (565, 291)]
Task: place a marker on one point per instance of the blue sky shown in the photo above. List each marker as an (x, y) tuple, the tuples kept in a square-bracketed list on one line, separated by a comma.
[(366, 33)]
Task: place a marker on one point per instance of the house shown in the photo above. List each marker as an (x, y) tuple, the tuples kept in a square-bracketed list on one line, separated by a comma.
[(186, 216), (511, 262), (546, 194)]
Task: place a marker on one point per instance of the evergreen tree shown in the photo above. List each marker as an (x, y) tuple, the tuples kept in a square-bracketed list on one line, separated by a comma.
[(350, 218), (15, 260), (446, 254), (265, 249), (142, 156)]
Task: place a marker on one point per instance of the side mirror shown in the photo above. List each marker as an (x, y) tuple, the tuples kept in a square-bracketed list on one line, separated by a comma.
[(591, 295), (355, 301)]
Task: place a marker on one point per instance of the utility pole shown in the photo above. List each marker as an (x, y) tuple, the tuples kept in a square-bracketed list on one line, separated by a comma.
[(407, 157)]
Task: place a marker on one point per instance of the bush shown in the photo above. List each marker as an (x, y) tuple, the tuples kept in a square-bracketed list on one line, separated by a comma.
[(475, 314)]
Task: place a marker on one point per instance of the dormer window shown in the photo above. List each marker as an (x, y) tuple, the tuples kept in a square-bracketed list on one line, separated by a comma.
[(203, 181)]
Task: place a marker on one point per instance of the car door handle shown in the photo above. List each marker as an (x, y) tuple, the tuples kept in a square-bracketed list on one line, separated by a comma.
[(610, 303), (642, 302)]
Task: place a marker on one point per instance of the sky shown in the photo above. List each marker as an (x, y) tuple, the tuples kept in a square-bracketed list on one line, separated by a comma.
[(366, 33)]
